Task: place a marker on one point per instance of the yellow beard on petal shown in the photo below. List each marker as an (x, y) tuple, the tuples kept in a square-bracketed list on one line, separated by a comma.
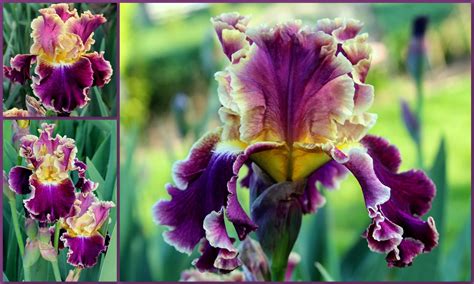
[(283, 164), (49, 171)]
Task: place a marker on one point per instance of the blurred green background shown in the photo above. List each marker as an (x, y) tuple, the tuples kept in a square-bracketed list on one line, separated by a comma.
[(168, 56), (96, 142), (17, 19)]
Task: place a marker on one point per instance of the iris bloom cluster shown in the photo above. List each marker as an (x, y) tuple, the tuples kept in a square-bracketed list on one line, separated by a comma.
[(295, 106), (65, 69), (52, 196)]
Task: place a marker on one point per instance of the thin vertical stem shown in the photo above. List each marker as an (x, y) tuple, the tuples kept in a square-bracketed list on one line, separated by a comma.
[(19, 238), (419, 112), (57, 274)]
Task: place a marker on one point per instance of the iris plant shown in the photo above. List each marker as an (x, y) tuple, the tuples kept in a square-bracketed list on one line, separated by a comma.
[(65, 67), (294, 112), (65, 211)]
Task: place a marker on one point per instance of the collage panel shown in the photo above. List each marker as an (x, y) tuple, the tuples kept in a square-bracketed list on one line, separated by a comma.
[(59, 200), (306, 142), (60, 59)]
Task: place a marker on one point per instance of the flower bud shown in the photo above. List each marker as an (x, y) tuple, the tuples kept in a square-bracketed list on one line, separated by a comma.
[(254, 261), (32, 253), (31, 228), (278, 214), (46, 248)]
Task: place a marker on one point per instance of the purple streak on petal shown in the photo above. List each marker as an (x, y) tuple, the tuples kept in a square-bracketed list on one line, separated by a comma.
[(342, 29), (291, 69), (84, 251), (63, 88), (49, 202), (216, 232), (201, 188), (85, 25), (18, 180), (19, 71), (101, 212), (293, 260), (101, 68)]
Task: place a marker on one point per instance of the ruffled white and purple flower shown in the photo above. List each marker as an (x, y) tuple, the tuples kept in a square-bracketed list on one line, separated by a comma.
[(83, 237), (65, 71), (294, 103), (46, 178)]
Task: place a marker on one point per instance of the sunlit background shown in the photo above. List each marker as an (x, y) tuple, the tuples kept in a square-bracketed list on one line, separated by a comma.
[(169, 53)]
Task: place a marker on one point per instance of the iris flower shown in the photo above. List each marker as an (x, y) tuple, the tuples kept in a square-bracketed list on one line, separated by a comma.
[(46, 177), (295, 104), (65, 69), (82, 225)]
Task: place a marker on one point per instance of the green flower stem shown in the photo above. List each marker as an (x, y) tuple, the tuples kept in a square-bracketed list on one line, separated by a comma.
[(419, 113), (19, 238), (54, 264), (57, 274), (56, 236)]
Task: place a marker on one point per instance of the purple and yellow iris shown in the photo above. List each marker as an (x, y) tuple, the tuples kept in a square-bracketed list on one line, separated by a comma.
[(46, 177), (65, 71), (294, 103), (82, 237)]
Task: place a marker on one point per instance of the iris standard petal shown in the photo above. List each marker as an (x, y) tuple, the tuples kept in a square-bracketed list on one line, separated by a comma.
[(84, 26), (63, 87)]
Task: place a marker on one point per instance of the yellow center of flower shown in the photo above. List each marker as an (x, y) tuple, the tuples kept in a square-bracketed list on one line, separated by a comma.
[(284, 164), (49, 171)]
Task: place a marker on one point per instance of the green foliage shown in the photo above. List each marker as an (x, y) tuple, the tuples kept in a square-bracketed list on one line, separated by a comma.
[(96, 143), (16, 32)]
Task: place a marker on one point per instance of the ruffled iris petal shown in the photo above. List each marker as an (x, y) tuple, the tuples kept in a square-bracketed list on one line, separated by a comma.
[(19, 180), (85, 26), (47, 32), (395, 202), (205, 182), (101, 68), (329, 176), (49, 202), (84, 251), (19, 71), (63, 87)]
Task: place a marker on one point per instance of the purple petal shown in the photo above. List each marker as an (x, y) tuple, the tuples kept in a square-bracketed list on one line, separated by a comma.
[(291, 86), (19, 71), (211, 256), (329, 176), (201, 187), (411, 191), (85, 26), (63, 87), (205, 182), (19, 180), (395, 202), (62, 10), (49, 202), (342, 29), (101, 68), (405, 253), (230, 29), (83, 251)]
